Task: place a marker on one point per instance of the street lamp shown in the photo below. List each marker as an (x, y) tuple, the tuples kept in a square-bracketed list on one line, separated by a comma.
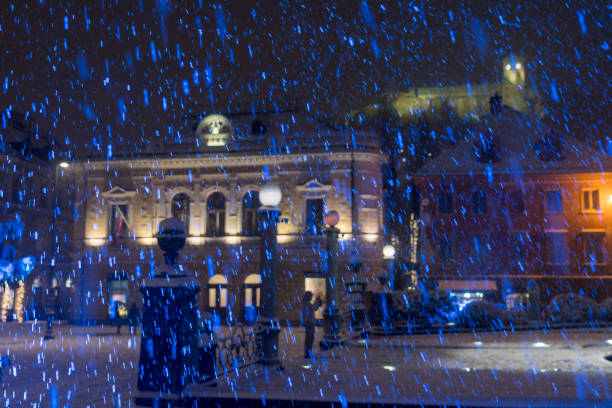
[(332, 320), (269, 196), (389, 256)]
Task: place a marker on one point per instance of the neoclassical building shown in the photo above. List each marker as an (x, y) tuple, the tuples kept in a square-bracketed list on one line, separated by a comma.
[(211, 181)]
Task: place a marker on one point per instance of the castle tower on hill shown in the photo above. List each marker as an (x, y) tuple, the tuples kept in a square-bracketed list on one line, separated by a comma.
[(467, 102)]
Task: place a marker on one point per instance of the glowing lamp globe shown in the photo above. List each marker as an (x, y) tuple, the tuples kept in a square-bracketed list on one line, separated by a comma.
[(332, 218), (270, 195), (388, 252)]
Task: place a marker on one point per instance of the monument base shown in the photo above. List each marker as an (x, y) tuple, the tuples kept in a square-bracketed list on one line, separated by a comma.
[(333, 334), (269, 332)]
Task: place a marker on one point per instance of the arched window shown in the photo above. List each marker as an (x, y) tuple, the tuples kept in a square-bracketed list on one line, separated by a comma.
[(180, 208), (217, 292), (252, 297), (250, 204), (252, 292), (215, 215)]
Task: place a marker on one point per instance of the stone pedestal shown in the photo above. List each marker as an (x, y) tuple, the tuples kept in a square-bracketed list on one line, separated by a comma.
[(169, 350), (333, 334)]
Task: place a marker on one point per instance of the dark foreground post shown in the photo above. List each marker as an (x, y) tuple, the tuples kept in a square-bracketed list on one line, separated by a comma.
[(332, 320), (270, 196), (169, 348)]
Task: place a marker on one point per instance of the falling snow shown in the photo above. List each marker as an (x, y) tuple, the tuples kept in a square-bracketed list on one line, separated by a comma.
[(412, 196)]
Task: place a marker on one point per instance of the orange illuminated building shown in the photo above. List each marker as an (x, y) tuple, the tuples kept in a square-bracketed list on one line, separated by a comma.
[(514, 208)]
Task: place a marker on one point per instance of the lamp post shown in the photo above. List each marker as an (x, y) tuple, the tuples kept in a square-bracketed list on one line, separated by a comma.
[(389, 256), (356, 291), (332, 320), (51, 309), (269, 196)]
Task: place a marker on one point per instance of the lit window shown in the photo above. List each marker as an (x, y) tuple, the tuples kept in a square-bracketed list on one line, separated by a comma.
[(554, 202), (316, 285), (590, 200), (120, 227), (118, 293), (217, 292), (252, 297)]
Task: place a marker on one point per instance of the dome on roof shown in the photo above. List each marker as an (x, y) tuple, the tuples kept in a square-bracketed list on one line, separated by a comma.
[(214, 130)]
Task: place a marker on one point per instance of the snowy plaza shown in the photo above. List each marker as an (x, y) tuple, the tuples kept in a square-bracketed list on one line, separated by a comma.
[(95, 367)]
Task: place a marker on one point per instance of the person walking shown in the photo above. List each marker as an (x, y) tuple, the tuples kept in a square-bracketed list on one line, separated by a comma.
[(133, 317), (308, 320)]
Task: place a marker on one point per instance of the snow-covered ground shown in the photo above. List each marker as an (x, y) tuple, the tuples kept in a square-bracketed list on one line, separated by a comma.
[(92, 366)]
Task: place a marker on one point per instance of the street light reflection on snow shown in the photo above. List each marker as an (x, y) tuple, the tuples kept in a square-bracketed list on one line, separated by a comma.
[(389, 367), (539, 344), (609, 341)]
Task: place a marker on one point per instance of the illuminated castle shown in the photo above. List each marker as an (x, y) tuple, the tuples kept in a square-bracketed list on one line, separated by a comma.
[(468, 102)]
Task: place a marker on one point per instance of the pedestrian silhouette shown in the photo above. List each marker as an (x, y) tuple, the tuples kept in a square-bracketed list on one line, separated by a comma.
[(133, 317), (308, 320)]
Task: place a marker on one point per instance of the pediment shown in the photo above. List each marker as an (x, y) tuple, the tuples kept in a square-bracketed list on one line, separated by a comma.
[(313, 185), (118, 192)]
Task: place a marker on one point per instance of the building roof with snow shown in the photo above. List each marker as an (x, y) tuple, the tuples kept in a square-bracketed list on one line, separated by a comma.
[(511, 142)]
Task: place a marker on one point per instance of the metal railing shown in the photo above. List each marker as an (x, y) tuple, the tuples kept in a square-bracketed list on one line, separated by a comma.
[(243, 347)]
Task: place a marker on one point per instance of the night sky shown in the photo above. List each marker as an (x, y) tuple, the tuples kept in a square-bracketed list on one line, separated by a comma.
[(129, 72)]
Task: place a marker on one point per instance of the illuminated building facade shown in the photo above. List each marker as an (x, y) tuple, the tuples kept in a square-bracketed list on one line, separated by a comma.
[(35, 196), (211, 181)]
